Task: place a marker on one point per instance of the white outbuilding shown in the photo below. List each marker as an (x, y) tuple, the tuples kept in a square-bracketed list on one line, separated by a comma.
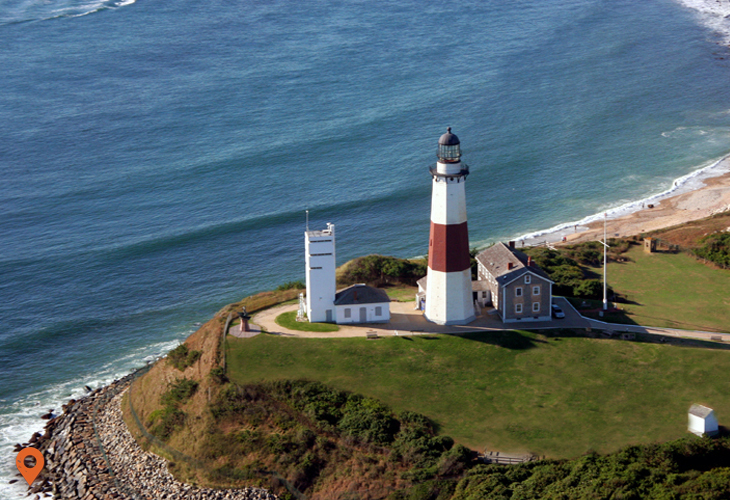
[(702, 421), (324, 304), (362, 304)]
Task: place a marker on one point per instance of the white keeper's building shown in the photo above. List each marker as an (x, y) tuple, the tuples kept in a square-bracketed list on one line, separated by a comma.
[(354, 304)]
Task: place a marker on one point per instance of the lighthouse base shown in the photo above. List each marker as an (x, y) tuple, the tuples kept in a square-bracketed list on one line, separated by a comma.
[(449, 298), (452, 322)]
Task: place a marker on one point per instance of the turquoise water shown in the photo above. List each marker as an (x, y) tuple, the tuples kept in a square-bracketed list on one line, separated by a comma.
[(157, 157)]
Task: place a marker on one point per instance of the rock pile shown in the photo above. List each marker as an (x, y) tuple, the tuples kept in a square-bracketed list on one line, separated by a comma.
[(77, 468)]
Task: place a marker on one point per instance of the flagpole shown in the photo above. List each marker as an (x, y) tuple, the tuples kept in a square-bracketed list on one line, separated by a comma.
[(605, 249)]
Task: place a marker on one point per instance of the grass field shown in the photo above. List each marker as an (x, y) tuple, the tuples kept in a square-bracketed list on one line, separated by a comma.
[(672, 290), (289, 320), (511, 391)]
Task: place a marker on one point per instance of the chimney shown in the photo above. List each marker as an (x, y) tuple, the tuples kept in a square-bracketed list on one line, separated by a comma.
[(354, 296), (511, 244), (510, 265), (529, 261)]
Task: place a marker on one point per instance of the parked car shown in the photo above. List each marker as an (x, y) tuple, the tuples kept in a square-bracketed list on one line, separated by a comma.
[(557, 312)]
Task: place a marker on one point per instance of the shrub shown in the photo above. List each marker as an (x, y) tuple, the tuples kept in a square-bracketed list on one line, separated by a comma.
[(715, 248), (378, 269), (291, 285), (218, 375), (181, 357), (165, 421), (369, 420), (588, 289), (179, 392)]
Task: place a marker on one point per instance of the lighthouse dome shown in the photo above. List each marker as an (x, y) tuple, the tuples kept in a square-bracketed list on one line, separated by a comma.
[(449, 139), (449, 149)]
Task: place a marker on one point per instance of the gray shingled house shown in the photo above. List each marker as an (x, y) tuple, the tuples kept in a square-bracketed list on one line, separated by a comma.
[(520, 290)]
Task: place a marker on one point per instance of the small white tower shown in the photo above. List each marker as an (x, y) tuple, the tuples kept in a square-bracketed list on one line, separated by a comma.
[(448, 288), (319, 248)]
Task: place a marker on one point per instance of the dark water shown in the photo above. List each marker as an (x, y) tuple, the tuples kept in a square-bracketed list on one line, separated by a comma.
[(157, 157)]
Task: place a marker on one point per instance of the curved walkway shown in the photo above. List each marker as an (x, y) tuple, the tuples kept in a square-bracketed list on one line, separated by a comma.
[(405, 320)]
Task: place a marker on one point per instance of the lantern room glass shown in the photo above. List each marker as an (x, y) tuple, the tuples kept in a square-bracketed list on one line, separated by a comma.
[(449, 154)]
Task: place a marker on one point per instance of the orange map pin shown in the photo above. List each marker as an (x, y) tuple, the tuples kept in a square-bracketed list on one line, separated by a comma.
[(30, 473)]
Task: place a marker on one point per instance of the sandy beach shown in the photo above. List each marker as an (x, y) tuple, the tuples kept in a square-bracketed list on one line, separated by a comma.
[(711, 197)]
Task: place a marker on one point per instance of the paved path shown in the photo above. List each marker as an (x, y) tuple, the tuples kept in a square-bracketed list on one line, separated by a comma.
[(651, 330), (405, 320)]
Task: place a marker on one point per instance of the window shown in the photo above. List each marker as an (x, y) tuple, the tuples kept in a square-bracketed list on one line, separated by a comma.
[(378, 310), (536, 307), (535, 290), (528, 279), (518, 308), (518, 291), (348, 313)]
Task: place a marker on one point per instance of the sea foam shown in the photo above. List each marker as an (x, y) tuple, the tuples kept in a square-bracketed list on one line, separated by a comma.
[(20, 419), (713, 14), (28, 11), (689, 182)]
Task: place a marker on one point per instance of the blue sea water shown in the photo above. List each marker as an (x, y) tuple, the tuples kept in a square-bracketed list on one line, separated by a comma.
[(157, 157)]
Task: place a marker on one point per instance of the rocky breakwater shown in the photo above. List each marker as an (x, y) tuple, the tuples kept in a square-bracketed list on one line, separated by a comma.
[(90, 454)]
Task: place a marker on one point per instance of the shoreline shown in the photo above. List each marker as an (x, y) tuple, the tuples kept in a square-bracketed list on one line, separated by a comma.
[(90, 453), (697, 195)]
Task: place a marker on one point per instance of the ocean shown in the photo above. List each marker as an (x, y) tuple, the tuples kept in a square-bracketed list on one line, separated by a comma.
[(157, 158)]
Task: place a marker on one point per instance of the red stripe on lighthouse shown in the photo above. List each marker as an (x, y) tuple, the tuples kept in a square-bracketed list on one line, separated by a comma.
[(448, 250)]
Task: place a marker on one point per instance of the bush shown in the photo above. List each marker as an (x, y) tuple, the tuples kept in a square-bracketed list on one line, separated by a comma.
[(715, 248), (369, 420), (589, 289), (179, 392), (291, 285), (379, 269), (181, 357), (166, 421), (218, 375)]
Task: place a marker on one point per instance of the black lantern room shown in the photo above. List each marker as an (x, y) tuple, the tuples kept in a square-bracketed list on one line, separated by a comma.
[(449, 149)]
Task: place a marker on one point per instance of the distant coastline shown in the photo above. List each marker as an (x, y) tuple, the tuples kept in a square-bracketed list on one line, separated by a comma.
[(693, 196)]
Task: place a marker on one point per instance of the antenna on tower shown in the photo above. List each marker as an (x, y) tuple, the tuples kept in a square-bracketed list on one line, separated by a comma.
[(307, 220)]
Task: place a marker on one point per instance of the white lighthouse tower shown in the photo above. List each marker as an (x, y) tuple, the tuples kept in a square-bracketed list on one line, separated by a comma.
[(448, 288), (319, 247)]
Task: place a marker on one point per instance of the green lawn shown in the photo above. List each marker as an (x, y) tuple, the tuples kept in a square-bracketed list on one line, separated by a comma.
[(402, 293), (511, 391), (289, 320), (672, 290)]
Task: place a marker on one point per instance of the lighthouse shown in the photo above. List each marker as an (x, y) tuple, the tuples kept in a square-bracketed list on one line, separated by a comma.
[(448, 287)]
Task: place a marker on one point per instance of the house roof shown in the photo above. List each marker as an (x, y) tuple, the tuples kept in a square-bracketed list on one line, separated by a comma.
[(700, 411), (361, 294), (497, 259)]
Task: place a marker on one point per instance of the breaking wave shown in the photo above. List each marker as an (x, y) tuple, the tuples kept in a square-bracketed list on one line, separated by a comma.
[(23, 11), (713, 14)]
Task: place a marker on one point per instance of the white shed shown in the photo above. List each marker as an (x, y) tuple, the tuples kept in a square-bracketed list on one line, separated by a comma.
[(702, 421), (362, 304)]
